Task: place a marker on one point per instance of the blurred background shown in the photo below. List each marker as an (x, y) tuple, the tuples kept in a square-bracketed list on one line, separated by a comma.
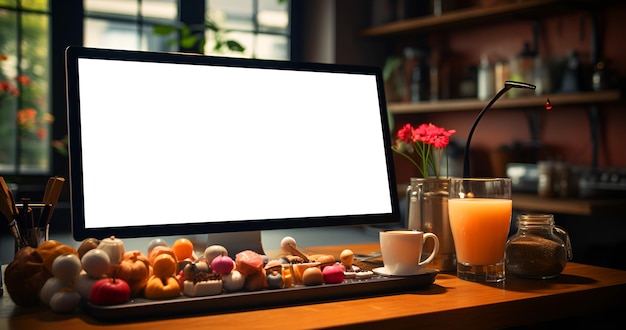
[(442, 60)]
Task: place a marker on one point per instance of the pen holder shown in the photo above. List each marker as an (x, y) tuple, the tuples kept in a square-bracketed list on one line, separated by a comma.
[(36, 235), (32, 224)]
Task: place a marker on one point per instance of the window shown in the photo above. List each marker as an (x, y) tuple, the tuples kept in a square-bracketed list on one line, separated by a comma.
[(125, 24), (261, 26), (32, 106), (25, 118)]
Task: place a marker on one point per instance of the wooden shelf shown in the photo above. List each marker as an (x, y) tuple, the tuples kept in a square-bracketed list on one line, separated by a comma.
[(575, 206), (532, 101), (474, 16)]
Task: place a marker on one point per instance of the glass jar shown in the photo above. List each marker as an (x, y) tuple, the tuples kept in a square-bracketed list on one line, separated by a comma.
[(539, 248)]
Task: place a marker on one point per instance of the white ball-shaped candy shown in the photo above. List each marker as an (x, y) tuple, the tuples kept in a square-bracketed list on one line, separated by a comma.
[(213, 251), (233, 281), (96, 262), (64, 301), (66, 267), (287, 242), (52, 286)]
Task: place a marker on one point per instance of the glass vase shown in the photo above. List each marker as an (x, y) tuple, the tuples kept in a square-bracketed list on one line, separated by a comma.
[(428, 212)]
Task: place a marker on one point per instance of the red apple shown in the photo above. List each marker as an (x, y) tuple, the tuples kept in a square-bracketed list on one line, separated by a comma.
[(333, 274), (109, 291)]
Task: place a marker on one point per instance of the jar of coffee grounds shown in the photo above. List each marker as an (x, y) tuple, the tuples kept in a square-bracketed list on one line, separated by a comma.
[(539, 249)]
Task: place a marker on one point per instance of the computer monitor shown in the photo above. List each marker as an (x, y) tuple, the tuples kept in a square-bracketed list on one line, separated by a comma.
[(164, 144)]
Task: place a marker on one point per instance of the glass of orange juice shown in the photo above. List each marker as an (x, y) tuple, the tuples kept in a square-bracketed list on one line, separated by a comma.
[(479, 210)]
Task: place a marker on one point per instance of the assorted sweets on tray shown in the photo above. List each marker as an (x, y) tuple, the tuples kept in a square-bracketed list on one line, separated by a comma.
[(103, 273)]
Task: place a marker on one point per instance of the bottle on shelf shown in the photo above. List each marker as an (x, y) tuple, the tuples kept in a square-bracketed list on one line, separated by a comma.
[(486, 80), (417, 76), (522, 68)]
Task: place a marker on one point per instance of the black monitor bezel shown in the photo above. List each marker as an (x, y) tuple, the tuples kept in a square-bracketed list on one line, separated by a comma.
[(73, 53)]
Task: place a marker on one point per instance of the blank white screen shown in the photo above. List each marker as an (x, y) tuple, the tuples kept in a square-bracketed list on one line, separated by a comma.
[(174, 143)]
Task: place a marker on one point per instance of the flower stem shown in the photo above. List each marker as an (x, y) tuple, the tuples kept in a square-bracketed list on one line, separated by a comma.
[(409, 158)]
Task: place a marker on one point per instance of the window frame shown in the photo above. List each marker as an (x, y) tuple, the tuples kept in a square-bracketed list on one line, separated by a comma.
[(67, 28)]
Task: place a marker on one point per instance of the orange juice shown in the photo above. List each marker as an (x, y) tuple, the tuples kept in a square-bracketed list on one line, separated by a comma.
[(480, 227)]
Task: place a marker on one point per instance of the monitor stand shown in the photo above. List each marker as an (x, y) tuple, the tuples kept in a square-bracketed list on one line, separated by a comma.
[(235, 242)]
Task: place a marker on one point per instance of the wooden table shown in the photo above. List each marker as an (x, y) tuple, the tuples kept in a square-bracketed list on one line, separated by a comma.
[(582, 293)]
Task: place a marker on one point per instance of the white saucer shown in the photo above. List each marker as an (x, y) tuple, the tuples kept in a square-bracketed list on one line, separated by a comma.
[(421, 271)]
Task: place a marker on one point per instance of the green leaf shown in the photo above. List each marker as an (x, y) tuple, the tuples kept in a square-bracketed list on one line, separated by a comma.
[(163, 29), (185, 32), (235, 46), (188, 42), (217, 46), (61, 150), (211, 26)]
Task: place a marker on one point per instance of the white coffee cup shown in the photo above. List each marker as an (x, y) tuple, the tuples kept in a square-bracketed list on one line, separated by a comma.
[(402, 250)]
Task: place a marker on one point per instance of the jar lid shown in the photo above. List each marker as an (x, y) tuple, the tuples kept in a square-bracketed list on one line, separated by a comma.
[(527, 219)]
